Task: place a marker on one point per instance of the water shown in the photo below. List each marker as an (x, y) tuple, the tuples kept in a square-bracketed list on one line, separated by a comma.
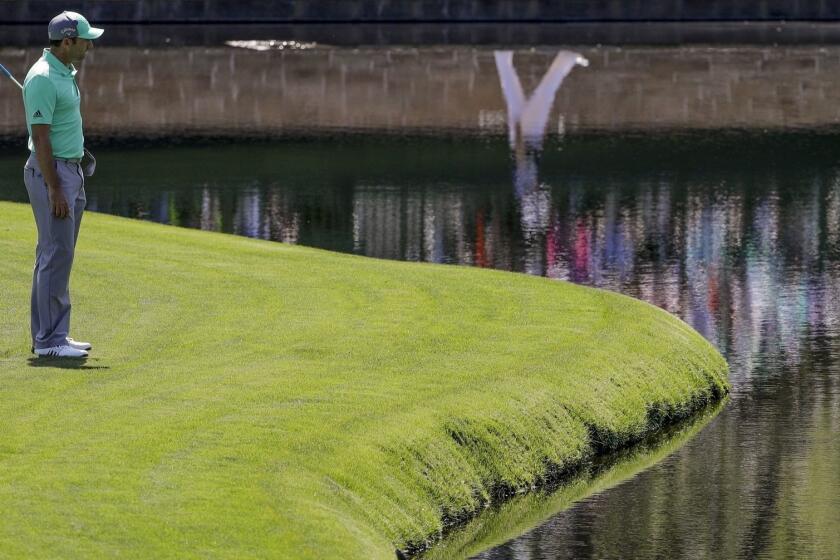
[(736, 231)]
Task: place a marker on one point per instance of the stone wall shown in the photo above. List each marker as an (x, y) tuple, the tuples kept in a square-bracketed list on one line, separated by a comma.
[(233, 91), (424, 10)]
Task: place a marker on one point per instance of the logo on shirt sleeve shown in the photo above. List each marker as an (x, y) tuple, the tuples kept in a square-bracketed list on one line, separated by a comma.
[(38, 115)]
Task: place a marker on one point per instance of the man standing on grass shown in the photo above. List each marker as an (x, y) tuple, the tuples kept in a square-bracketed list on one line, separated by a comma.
[(54, 179)]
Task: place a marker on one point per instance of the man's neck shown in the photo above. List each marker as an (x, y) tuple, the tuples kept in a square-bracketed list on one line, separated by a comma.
[(63, 58)]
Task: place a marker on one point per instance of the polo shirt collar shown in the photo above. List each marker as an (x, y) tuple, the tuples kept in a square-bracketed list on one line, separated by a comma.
[(57, 65)]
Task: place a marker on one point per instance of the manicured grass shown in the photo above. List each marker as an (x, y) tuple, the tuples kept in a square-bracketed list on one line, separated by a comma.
[(522, 513), (248, 399)]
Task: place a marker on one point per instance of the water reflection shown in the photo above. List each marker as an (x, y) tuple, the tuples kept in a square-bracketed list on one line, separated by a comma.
[(751, 262), (508, 519), (527, 119)]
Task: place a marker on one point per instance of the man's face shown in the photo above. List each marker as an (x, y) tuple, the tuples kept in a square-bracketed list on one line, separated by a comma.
[(78, 49)]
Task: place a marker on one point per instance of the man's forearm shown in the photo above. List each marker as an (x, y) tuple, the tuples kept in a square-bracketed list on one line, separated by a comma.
[(43, 151)]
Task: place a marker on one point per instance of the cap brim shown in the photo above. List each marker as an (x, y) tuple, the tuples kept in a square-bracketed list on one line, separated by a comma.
[(93, 33)]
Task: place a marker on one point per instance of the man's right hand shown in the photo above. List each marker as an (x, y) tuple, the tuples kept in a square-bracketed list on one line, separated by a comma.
[(43, 150), (58, 202)]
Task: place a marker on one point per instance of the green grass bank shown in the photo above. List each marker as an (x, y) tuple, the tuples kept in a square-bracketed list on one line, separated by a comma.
[(249, 399), (522, 513)]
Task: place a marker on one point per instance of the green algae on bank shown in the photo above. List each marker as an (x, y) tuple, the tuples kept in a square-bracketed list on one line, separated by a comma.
[(248, 398)]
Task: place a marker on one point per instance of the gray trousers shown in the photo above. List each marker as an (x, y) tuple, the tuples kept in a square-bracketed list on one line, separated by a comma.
[(50, 306)]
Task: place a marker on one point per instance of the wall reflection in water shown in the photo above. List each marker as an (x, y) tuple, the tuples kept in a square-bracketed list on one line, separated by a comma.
[(753, 266)]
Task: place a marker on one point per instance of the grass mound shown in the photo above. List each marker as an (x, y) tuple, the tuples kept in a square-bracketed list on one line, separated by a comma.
[(522, 513), (251, 399)]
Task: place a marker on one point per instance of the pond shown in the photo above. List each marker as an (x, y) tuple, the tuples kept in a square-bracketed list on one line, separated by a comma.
[(705, 181)]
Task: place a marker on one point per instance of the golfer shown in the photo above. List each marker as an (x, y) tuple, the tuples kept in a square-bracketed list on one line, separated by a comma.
[(55, 181)]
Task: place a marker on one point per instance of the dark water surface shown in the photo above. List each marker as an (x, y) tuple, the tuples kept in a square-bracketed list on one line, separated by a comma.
[(735, 231)]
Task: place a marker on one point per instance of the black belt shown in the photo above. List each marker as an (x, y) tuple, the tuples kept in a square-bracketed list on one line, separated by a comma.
[(69, 159)]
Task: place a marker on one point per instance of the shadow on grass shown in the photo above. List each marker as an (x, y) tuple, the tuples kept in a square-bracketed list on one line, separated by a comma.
[(63, 363)]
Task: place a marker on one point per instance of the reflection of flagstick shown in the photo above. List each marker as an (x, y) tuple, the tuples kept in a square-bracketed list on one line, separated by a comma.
[(527, 120)]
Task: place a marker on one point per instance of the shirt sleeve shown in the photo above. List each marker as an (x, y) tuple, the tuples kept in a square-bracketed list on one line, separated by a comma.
[(39, 97)]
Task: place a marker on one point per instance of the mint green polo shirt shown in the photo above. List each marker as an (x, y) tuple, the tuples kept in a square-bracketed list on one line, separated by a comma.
[(51, 96)]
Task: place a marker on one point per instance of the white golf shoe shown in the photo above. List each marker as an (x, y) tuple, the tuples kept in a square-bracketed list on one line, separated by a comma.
[(64, 351), (79, 345)]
